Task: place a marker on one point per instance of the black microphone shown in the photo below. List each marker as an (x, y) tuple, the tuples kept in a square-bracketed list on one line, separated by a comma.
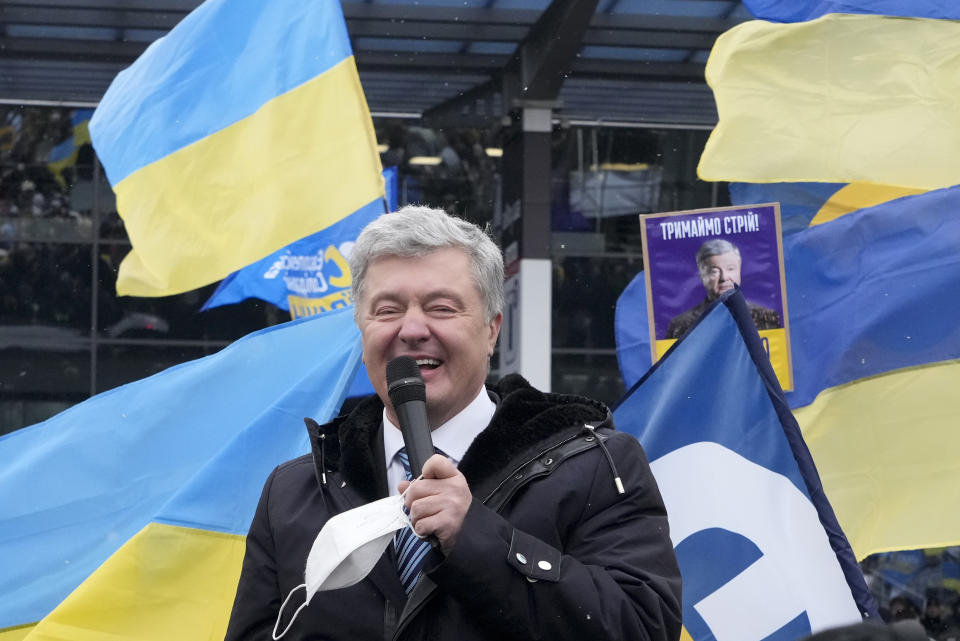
[(408, 394)]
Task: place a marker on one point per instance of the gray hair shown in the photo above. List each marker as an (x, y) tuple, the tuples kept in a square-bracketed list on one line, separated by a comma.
[(713, 247), (415, 231)]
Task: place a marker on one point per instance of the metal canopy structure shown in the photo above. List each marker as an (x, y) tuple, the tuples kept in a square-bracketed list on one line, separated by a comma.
[(639, 61)]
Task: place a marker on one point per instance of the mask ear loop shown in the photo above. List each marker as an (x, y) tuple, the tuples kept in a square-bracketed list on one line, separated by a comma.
[(277, 637), (406, 513)]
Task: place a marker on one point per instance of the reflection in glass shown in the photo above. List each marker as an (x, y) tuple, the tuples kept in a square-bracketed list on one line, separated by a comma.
[(585, 293), (43, 370), (45, 284), (594, 375), (121, 364)]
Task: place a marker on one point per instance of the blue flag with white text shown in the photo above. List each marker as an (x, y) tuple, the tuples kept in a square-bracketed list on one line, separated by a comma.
[(760, 551)]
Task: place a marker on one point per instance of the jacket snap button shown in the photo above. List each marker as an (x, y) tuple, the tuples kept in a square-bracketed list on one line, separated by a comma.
[(521, 558), (589, 438), (518, 477), (531, 579), (548, 461), (544, 565)]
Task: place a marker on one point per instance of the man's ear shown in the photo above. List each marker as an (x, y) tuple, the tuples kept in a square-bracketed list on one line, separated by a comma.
[(494, 332)]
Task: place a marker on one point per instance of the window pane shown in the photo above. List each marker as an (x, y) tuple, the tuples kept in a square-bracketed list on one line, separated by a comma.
[(174, 317), (15, 414), (593, 375), (46, 284), (604, 177), (585, 292), (43, 370), (45, 162), (121, 364)]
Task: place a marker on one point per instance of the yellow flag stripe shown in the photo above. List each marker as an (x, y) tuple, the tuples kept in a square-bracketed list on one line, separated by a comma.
[(17, 632), (166, 582), (859, 196), (844, 98), (886, 449)]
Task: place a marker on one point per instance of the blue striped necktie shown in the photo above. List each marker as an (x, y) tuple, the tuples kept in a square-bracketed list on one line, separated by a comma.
[(411, 550)]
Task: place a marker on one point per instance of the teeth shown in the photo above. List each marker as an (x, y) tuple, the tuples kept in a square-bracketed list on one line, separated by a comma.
[(431, 362)]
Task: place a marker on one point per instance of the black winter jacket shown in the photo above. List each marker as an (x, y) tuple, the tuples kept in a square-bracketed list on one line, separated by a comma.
[(548, 550)]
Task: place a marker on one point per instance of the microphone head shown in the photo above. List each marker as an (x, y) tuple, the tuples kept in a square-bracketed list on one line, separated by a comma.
[(404, 382)]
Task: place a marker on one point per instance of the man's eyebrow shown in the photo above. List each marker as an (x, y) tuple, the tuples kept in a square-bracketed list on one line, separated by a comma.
[(380, 297), (444, 292)]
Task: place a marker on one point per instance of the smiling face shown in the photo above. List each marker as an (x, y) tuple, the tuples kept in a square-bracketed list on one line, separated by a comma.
[(428, 308), (722, 274)]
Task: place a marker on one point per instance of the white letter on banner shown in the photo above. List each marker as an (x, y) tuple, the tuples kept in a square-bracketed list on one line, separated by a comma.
[(706, 485)]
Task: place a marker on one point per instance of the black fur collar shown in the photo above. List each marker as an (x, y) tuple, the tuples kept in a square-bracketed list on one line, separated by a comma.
[(524, 417)]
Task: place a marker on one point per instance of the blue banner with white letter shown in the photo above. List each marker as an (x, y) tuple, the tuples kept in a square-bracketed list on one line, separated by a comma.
[(761, 553)]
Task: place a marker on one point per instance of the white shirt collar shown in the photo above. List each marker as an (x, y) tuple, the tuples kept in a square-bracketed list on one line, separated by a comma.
[(453, 437)]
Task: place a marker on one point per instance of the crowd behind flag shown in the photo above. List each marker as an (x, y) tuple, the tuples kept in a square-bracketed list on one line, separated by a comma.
[(760, 551), (225, 143)]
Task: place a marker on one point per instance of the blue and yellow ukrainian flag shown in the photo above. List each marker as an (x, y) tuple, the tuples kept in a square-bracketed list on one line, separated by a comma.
[(65, 154), (242, 130), (760, 551), (875, 331), (125, 517)]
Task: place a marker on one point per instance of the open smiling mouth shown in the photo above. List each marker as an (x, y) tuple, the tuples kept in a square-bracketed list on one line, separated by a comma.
[(429, 363)]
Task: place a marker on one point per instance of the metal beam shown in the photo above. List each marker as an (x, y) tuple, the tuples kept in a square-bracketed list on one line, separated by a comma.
[(417, 14), (70, 49), (410, 60), (435, 30), (180, 6), (631, 69), (543, 59), (86, 17)]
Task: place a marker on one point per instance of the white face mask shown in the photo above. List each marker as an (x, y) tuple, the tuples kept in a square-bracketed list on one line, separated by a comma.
[(347, 548)]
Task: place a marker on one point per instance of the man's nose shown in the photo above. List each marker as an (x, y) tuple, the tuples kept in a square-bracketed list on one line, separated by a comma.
[(413, 327)]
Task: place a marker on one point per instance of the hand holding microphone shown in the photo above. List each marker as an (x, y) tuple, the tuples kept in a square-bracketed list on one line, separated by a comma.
[(439, 501)]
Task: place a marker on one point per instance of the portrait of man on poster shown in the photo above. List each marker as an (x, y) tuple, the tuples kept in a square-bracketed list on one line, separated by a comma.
[(719, 265)]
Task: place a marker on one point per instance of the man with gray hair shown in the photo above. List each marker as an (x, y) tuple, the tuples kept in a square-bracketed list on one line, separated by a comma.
[(547, 521), (719, 263)]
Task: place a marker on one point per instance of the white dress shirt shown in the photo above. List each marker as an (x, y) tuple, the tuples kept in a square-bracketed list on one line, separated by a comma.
[(452, 438)]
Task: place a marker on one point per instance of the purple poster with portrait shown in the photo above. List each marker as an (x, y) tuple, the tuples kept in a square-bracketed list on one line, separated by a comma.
[(694, 256)]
